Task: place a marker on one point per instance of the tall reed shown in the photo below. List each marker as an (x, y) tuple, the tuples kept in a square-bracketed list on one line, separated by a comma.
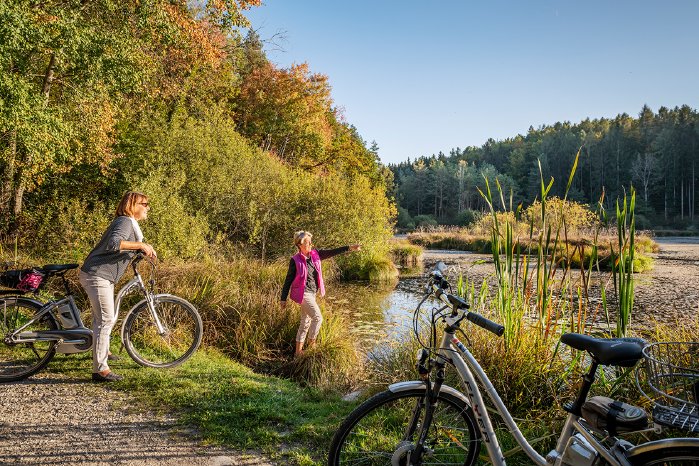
[(624, 262), (509, 296)]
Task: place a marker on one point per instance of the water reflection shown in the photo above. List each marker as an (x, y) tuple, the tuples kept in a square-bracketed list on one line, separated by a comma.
[(377, 313)]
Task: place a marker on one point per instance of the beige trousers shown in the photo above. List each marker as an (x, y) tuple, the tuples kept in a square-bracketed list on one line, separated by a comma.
[(310, 318), (101, 294)]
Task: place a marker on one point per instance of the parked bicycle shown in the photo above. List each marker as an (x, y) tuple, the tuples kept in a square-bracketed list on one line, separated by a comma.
[(161, 330), (425, 422)]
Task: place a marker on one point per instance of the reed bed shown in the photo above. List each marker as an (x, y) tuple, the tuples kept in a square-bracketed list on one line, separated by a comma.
[(405, 253)]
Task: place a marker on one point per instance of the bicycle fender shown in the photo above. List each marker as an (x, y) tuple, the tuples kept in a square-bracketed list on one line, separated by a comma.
[(156, 297), (664, 443), (14, 294), (418, 384)]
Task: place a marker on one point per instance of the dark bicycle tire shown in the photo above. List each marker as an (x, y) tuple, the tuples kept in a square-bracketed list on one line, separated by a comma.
[(17, 362), (377, 428), (679, 455), (184, 332)]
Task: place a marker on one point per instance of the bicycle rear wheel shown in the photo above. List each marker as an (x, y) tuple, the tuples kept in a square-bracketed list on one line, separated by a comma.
[(182, 335), (386, 426), (19, 361)]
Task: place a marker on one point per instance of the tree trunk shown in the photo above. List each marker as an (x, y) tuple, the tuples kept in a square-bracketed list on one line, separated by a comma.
[(8, 176), (665, 196), (48, 78), (692, 212), (682, 198)]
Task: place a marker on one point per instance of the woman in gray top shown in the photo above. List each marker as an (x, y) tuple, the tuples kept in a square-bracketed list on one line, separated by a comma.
[(104, 266)]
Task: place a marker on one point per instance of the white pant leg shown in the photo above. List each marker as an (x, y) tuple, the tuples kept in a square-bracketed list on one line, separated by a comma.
[(101, 295)]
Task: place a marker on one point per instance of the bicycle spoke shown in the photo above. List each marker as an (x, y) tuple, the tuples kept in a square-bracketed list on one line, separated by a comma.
[(182, 333)]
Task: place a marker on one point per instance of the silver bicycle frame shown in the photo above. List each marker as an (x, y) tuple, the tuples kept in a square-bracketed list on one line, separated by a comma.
[(452, 349), (137, 282)]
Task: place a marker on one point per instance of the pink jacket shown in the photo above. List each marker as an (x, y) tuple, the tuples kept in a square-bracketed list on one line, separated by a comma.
[(299, 284)]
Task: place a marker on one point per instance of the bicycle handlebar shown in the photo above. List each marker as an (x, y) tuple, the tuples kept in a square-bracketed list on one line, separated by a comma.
[(486, 323), (439, 284)]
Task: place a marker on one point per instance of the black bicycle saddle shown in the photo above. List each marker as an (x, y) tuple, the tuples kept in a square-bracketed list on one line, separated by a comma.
[(624, 352), (59, 267)]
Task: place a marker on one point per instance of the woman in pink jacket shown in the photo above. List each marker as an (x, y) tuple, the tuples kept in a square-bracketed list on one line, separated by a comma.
[(303, 280)]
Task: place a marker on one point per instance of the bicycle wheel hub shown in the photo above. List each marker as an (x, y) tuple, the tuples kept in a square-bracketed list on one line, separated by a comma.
[(402, 454)]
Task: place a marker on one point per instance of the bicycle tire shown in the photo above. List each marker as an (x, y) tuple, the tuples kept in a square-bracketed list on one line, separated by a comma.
[(683, 455), (372, 434), (184, 331), (17, 362)]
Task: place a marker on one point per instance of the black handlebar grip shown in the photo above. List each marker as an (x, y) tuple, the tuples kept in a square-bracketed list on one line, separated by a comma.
[(487, 324), (458, 302)]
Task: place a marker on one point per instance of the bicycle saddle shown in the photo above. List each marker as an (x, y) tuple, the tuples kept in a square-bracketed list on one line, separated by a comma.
[(624, 352), (59, 267)]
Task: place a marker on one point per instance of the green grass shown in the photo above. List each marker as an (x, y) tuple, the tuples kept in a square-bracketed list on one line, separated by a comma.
[(230, 404)]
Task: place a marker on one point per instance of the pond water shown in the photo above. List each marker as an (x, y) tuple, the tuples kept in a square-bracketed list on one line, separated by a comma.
[(668, 293)]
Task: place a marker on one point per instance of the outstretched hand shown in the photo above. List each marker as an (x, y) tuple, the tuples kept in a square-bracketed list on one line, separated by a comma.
[(355, 247)]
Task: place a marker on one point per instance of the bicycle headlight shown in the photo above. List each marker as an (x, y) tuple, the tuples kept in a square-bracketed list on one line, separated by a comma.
[(422, 357)]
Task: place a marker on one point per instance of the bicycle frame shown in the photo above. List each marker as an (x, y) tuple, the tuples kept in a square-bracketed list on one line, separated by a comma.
[(70, 340), (451, 349), (137, 283)]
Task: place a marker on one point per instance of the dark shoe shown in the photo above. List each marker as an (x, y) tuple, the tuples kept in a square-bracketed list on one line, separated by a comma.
[(111, 377), (113, 357)]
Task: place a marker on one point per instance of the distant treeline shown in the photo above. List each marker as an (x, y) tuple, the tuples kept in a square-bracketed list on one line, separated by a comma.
[(176, 99), (657, 153)]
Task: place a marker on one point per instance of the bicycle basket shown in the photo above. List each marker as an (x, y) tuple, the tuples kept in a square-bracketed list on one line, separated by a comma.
[(672, 380), (23, 280)]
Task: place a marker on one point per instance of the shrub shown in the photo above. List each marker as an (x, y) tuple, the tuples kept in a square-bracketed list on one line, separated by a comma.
[(404, 220), (468, 217), (577, 216), (425, 221)]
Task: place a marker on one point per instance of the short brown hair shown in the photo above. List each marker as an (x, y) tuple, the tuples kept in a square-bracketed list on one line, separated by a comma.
[(128, 202)]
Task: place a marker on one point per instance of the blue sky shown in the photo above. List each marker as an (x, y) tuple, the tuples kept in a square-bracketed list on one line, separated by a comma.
[(423, 77)]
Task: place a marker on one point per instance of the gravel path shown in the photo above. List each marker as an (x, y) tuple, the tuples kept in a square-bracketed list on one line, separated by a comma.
[(58, 420)]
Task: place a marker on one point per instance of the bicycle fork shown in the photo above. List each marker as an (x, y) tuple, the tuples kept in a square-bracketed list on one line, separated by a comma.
[(150, 300), (151, 307)]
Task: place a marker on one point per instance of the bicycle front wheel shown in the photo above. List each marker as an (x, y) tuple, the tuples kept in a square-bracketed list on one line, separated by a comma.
[(180, 338), (20, 360), (385, 428), (677, 455)]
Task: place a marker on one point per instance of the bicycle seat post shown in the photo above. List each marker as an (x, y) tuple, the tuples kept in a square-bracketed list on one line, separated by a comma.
[(575, 407), (66, 285)]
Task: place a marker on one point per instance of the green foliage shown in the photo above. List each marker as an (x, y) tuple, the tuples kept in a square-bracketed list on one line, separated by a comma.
[(624, 262), (405, 220), (468, 217), (576, 216), (424, 221)]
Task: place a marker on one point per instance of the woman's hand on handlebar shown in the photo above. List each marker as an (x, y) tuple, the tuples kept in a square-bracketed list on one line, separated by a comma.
[(148, 251)]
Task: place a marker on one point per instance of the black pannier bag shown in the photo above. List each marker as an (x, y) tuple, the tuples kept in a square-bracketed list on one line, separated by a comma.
[(23, 280), (614, 416)]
